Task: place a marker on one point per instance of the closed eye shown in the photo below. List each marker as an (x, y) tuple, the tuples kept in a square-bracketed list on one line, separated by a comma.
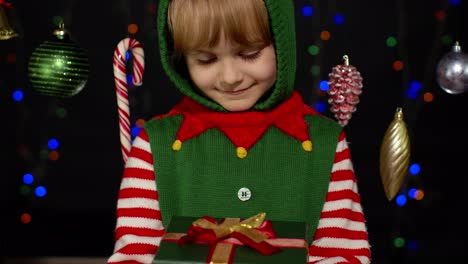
[(251, 55)]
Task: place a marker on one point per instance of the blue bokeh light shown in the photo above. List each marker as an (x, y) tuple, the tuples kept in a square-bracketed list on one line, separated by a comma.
[(414, 169), (28, 178), (127, 55), (324, 86), (40, 191), (455, 2), (412, 245), (414, 89), (320, 107), (412, 193), (53, 144), (17, 95), (338, 19), (401, 200), (135, 131), (307, 11), (129, 79)]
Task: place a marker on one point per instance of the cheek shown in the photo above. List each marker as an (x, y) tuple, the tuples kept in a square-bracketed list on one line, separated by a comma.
[(202, 78)]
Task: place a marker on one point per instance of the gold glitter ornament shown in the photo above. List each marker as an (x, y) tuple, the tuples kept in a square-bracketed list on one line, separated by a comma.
[(394, 155)]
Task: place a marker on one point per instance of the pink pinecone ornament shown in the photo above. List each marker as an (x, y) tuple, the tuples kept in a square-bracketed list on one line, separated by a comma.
[(345, 86)]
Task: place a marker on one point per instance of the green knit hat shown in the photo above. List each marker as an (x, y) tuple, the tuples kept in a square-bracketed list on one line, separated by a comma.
[(281, 14)]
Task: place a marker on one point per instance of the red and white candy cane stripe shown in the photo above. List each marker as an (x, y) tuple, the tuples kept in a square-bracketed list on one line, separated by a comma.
[(120, 77)]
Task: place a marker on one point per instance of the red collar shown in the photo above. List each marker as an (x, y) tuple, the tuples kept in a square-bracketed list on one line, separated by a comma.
[(244, 129)]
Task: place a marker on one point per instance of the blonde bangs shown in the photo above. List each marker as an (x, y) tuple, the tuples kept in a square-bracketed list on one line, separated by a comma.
[(199, 23)]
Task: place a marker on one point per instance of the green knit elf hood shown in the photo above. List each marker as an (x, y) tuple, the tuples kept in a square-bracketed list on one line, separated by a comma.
[(281, 15)]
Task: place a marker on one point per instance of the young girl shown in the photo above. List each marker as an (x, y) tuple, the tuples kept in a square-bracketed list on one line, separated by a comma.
[(241, 141)]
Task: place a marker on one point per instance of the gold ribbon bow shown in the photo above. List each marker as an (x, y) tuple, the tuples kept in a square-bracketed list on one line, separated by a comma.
[(247, 227)]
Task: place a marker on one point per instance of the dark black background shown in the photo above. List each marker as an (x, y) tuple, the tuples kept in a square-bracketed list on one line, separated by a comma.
[(77, 216)]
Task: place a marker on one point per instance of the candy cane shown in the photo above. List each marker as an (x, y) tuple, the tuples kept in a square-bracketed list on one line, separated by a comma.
[(120, 77)]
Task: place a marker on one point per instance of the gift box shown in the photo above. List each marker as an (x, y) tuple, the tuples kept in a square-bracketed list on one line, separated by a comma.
[(285, 242)]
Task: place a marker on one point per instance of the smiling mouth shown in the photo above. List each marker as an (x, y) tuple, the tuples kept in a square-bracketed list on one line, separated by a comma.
[(236, 92)]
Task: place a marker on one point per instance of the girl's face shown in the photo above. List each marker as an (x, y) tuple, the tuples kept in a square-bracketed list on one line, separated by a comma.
[(234, 76)]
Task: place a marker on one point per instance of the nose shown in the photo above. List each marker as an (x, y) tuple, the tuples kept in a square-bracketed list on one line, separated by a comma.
[(230, 75)]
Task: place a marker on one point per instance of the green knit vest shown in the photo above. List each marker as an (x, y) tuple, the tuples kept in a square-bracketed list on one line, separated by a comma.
[(205, 175)]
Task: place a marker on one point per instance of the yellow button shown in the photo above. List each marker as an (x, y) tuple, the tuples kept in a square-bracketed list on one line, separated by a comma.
[(307, 145), (241, 152), (177, 145)]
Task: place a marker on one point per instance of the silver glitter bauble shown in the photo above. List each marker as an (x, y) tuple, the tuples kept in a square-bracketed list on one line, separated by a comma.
[(452, 71)]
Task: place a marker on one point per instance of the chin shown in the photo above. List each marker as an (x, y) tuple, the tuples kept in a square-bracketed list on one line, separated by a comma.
[(238, 107)]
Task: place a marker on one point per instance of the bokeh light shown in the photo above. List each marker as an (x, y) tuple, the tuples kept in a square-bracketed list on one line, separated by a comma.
[(399, 242), (398, 65), (338, 19), (25, 190), (17, 95), (391, 42), (11, 58), (313, 50), (412, 193), (61, 112), (414, 168), (40, 191), (54, 155), (25, 218), (56, 20), (53, 143), (440, 15), (414, 89), (401, 200), (455, 2), (325, 35), (320, 107), (412, 245), (28, 178), (307, 11), (419, 195), (324, 85), (132, 28), (447, 40), (135, 131), (140, 122), (428, 97), (315, 70)]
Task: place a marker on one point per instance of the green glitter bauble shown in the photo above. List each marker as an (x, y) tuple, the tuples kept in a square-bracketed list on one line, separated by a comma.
[(58, 68)]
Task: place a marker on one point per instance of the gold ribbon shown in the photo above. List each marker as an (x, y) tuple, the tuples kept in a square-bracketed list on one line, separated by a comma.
[(247, 227)]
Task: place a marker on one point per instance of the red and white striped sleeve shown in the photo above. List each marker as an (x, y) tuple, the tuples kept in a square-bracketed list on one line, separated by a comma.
[(341, 235), (139, 228)]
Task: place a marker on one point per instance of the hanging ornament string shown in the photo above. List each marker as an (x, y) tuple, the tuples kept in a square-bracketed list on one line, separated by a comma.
[(345, 87), (120, 78)]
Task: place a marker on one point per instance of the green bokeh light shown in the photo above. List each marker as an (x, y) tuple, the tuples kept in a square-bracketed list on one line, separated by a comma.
[(56, 20), (44, 154), (399, 242), (313, 50), (392, 42), (447, 40), (25, 190), (61, 112), (315, 70)]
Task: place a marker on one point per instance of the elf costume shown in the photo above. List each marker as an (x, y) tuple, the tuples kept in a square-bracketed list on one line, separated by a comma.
[(281, 158)]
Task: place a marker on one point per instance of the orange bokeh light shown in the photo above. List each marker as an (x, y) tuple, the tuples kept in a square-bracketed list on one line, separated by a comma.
[(440, 15), (140, 122), (398, 65), (428, 97), (132, 28), (25, 218), (325, 35), (54, 155)]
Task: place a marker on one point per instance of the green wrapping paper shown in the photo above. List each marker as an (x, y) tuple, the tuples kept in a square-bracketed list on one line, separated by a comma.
[(170, 252)]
